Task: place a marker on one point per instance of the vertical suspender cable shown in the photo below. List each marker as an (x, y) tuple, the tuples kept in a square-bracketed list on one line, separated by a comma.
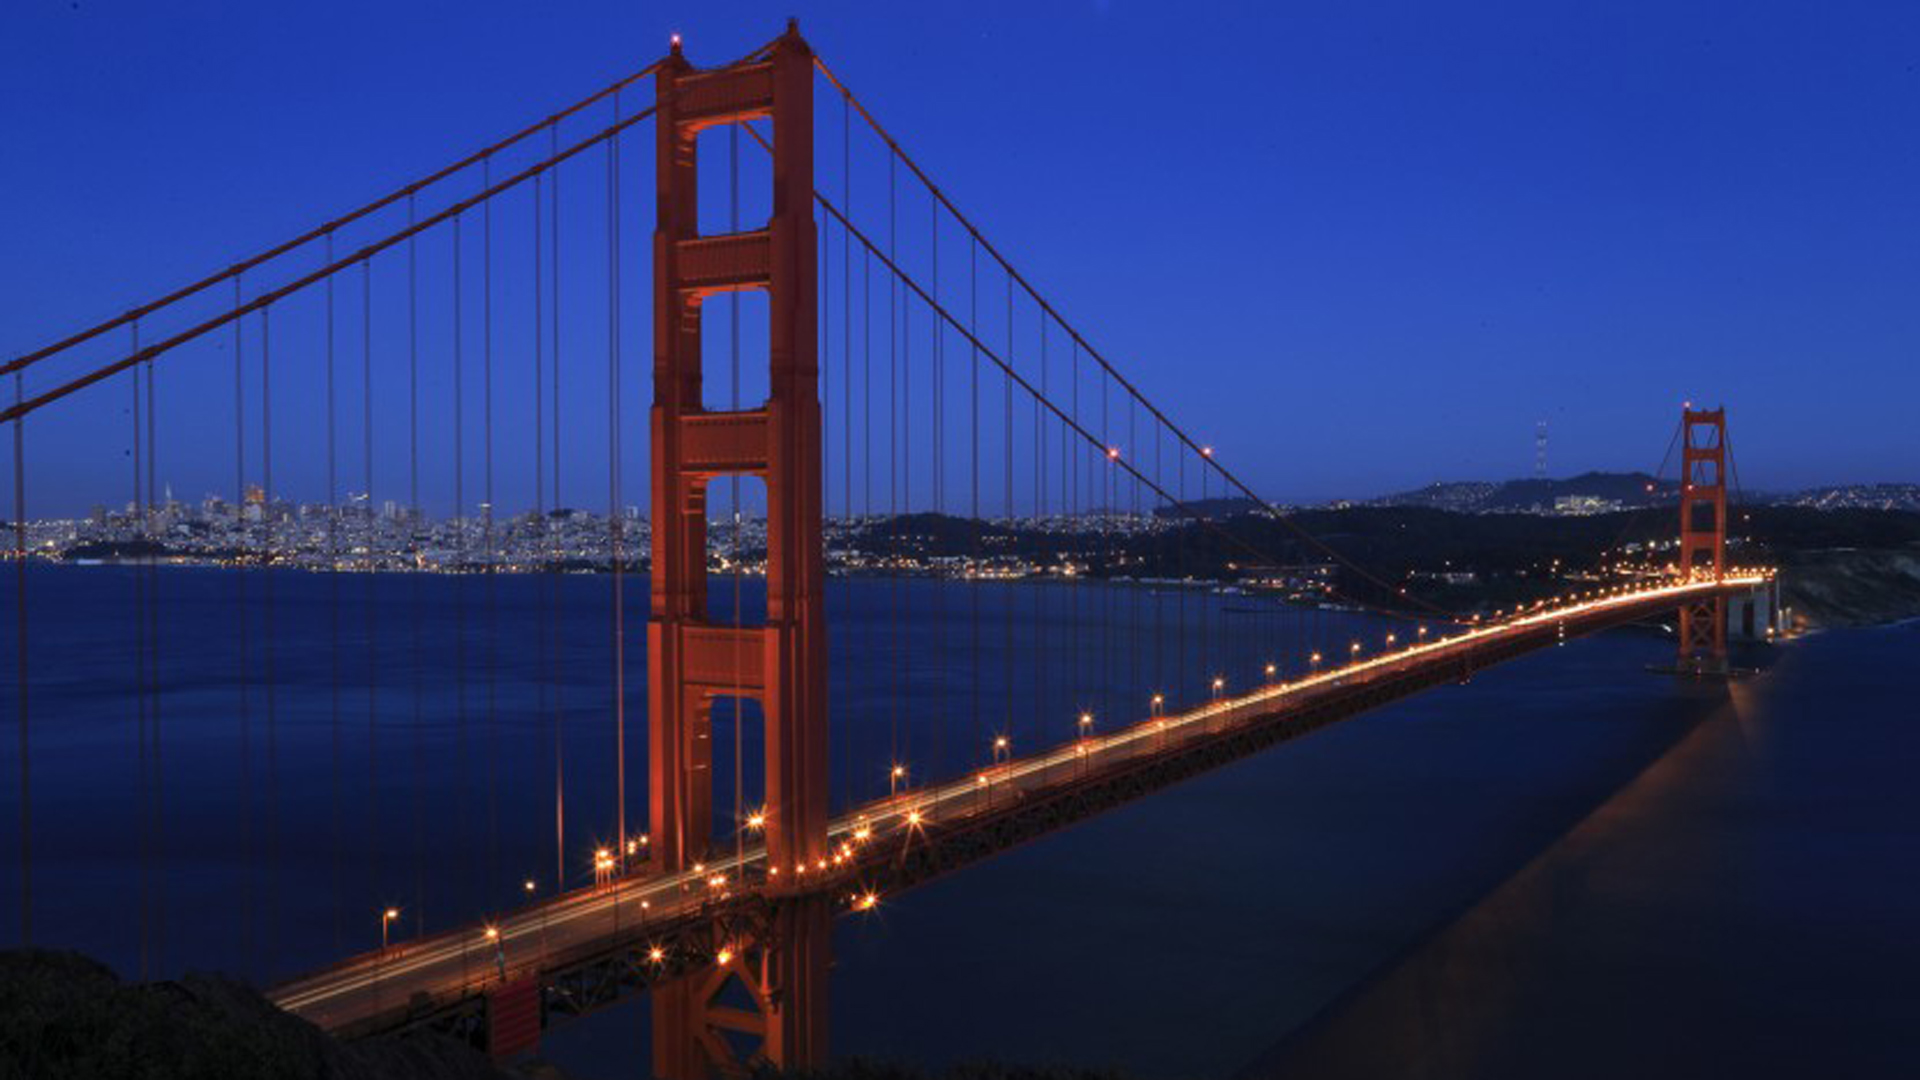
[(613, 490), (893, 462), (846, 313), (143, 789), (463, 811), (937, 457), (333, 630), (1077, 524), (846, 398), (486, 524), (244, 675), (545, 582), (1042, 476), (20, 663), (560, 701), (1133, 625), (973, 442), (414, 525), (271, 538), (153, 683), (733, 481), (823, 326), (373, 874), (1006, 461), (905, 466)]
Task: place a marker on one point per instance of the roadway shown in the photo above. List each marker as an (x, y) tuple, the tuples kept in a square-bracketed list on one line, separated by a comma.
[(461, 962)]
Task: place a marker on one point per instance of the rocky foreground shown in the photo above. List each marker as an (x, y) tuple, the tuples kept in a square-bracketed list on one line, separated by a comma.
[(66, 1017)]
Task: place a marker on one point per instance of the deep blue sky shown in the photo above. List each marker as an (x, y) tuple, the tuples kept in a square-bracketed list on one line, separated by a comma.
[(1359, 247)]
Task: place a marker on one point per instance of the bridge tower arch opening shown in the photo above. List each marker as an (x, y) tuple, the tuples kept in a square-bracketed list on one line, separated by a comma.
[(692, 659), (1703, 536)]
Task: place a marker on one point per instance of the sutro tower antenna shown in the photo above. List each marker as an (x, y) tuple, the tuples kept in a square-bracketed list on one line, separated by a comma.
[(1540, 450)]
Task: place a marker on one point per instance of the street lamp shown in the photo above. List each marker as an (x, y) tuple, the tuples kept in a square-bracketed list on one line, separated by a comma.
[(1272, 669), (1001, 747), (1314, 663), (386, 918), (894, 776), (1353, 651), (1219, 686), (529, 887)]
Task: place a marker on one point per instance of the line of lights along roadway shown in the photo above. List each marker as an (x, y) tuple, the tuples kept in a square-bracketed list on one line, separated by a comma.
[(905, 812)]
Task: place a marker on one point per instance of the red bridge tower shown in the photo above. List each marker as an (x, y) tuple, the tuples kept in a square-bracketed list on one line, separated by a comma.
[(1703, 535), (692, 660)]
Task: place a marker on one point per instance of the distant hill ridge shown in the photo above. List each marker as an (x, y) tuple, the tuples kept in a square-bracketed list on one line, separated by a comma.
[(1632, 490)]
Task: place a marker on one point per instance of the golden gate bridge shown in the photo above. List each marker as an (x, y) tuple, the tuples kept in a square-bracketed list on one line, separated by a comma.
[(463, 292)]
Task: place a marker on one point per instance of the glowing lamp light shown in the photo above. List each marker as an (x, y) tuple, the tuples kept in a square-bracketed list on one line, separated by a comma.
[(899, 771), (656, 954), (1000, 743), (1113, 453), (914, 817), (724, 956), (493, 933), (757, 820), (867, 901)]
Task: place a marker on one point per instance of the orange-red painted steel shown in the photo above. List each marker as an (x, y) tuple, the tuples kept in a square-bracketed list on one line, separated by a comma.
[(691, 660), (1703, 535)]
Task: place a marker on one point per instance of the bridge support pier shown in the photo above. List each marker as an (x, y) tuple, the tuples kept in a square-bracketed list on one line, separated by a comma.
[(766, 1004)]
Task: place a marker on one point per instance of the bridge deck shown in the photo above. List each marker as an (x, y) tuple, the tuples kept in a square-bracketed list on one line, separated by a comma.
[(650, 926)]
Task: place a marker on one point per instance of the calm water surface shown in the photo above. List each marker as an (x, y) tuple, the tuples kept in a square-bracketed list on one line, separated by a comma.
[(1568, 867)]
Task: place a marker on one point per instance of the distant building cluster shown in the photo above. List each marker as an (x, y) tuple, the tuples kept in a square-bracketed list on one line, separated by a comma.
[(356, 537)]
